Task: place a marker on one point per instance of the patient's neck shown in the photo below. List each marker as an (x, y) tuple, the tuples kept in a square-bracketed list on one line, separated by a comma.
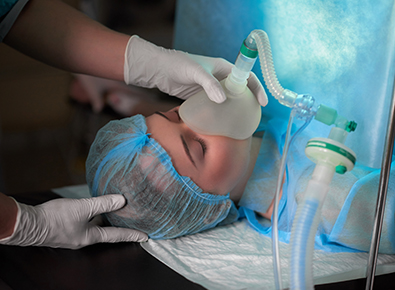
[(238, 191)]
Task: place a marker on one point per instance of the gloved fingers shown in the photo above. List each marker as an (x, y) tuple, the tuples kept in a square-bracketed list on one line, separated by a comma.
[(257, 89), (208, 73), (184, 92), (211, 86), (222, 68), (115, 235), (103, 204)]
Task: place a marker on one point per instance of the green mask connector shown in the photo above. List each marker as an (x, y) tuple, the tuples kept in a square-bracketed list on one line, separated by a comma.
[(248, 50)]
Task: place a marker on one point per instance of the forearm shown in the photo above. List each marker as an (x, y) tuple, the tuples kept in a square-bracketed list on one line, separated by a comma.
[(8, 214), (57, 34)]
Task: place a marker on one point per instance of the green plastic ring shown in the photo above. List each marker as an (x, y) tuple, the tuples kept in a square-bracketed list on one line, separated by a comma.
[(341, 151), (248, 52)]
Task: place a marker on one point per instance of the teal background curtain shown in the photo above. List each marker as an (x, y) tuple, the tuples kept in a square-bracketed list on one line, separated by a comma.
[(340, 52)]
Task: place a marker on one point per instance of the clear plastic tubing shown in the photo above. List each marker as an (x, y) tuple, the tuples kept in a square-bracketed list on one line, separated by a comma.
[(258, 40), (305, 225), (275, 244), (309, 217), (261, 40)]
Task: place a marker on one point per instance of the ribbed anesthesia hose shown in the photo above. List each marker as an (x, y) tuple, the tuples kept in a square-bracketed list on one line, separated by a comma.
[(285, 97)]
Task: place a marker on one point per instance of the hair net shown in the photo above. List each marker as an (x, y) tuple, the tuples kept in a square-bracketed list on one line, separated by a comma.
[(123, 159)]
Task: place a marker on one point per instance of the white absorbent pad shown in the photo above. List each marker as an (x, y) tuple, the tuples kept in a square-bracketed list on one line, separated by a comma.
[(237, 257)]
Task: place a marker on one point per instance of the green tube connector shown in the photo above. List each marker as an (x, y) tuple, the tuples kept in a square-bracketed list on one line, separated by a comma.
[(329, 117), (351, 126), (326, 115)]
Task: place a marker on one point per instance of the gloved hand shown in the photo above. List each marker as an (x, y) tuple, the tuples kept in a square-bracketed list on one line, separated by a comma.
[(64, 223), (178, 73)]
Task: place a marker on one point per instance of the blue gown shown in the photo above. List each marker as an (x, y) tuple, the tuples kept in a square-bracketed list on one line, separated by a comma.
[(348, 211)]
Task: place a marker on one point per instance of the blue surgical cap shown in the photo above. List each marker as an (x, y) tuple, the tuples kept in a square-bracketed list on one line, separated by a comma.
[(123, 159)]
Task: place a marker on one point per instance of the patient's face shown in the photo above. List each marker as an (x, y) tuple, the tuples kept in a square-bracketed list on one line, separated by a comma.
[(215, 163)]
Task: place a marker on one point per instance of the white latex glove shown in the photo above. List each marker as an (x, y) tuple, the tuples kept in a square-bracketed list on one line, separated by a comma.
[(64, 223), (178, 73)]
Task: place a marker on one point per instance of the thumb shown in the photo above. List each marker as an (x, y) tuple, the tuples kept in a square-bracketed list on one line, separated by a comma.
[(257, 89)]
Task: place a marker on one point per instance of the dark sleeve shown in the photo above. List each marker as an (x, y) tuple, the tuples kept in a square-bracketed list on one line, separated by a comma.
[(9, 13)]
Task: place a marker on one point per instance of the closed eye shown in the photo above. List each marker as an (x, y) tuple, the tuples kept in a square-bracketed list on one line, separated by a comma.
[(186, 149), (197, 139), (202, 143), (162, 115)]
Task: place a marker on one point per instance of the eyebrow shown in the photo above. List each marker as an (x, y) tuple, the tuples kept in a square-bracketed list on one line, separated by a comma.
[(187, 150), (160, 114)]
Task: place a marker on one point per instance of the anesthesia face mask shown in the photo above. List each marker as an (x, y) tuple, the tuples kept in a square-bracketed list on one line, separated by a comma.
[(239, 115)]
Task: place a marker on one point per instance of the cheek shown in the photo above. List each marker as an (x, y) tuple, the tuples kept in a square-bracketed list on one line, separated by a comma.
[(236, 164), (231, 166), (236, 155)]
